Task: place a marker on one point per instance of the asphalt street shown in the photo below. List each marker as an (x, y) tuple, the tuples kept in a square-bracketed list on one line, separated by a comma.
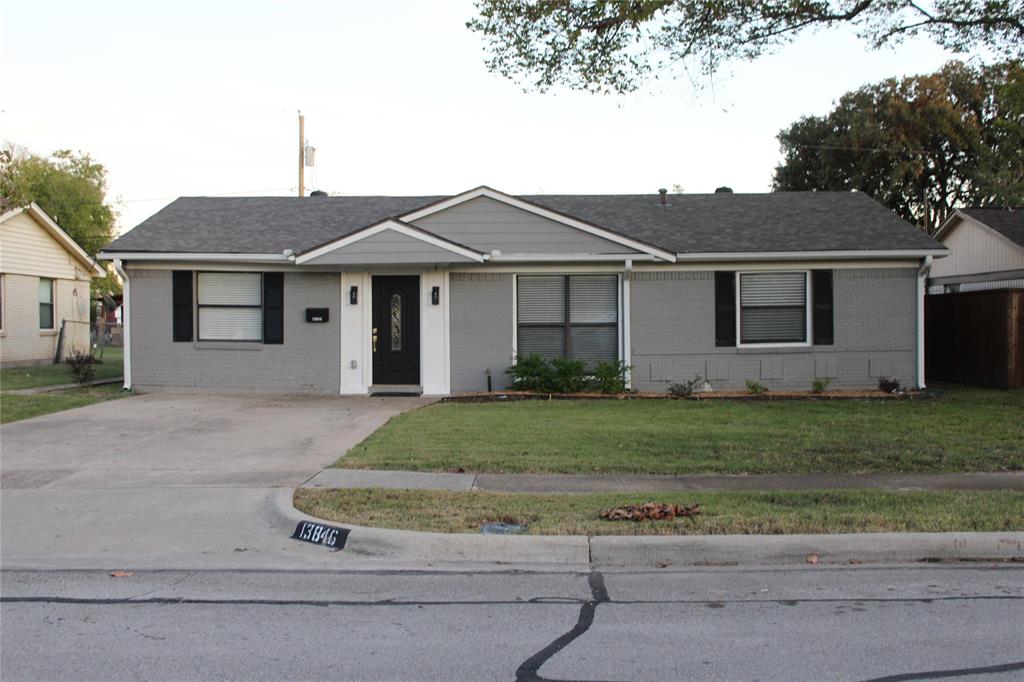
[(905, 622)]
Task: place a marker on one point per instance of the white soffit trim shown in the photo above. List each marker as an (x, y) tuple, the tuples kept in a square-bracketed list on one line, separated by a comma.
[(394, 226), (809, 255), (186, 256), (542, 212), (62, 237), (570, 257)]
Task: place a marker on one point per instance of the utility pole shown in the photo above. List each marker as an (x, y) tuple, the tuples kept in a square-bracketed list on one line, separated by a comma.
[(302, 141)]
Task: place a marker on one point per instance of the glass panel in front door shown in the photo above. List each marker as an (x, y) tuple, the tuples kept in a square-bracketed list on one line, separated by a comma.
[(396, 322)]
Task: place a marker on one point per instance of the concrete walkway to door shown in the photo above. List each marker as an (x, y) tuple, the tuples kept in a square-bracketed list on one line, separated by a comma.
[(169, 480)]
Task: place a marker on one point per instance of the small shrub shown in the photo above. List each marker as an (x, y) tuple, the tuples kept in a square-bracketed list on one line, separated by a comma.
[(685, 389), (820, 384), (610, 377), (531, 373), (889, 385), (82, 366), (756, 387), (568, 376)]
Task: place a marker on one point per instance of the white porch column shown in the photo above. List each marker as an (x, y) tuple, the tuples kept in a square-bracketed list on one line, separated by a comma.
[(354, 320), (435, 338)]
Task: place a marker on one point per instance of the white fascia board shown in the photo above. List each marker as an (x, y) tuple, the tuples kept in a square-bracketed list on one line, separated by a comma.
[(948, 224), (808, 255), (62, 237), (186, 256), (394, 226), (515, 202), (570, 257)]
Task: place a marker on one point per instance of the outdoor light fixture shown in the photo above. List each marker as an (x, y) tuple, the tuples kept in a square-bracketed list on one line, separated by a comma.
[(435, 295), (353, 295)]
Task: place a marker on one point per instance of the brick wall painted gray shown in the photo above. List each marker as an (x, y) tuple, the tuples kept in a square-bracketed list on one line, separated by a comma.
[(481, 330), (673, 334), (308, 360)]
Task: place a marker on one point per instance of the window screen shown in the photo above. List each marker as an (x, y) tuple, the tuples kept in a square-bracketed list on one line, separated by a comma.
[(230, 306), (569, 316), (773, 307), (45, 303)]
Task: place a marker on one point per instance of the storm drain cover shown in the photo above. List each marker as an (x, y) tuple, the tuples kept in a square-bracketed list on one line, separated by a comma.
[(502, 528)]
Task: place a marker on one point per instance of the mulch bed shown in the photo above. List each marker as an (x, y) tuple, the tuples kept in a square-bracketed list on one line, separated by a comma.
[(505, 396)]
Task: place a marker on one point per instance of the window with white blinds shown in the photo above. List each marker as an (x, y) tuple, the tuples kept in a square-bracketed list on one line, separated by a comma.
[(773, 307), (230, 306), (573, 316)]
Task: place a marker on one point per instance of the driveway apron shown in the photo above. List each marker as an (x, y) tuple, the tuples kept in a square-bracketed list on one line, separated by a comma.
[(165, 481)]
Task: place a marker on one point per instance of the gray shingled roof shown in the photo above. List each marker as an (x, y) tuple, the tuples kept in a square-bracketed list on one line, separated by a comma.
[(1008, 222), (690, 223)]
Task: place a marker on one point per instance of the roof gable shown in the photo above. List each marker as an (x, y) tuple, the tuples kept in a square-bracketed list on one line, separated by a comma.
[(58, 235), (390, 241)]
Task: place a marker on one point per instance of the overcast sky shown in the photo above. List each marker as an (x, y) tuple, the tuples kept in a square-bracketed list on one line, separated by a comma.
[(200, 98)]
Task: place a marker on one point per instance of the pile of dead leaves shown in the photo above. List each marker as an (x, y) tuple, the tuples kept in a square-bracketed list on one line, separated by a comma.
[(652, 510)]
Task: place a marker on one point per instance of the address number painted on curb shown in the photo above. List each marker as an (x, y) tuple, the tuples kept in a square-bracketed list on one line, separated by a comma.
[(320, 534)]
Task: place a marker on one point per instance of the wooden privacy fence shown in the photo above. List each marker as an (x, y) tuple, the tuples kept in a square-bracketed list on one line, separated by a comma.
[(976, 338)]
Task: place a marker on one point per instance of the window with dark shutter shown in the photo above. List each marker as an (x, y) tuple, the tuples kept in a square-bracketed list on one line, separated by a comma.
[(561, 316), (725, 308), (273, 307), (821, 296), (181, 298), (773, 307)]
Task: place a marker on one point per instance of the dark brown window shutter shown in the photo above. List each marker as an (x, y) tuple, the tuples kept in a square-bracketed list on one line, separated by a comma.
[(821, 295), (273, 307), (181, 301), (725, 308)]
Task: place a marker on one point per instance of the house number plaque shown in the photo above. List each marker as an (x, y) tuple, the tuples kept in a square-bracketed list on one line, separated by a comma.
[(321, 534)]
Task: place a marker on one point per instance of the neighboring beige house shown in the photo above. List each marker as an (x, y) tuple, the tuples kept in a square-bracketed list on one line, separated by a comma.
[(986, 251), (44, 283)]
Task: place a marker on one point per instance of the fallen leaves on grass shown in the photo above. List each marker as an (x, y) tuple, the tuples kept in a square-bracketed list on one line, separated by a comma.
[(652, 510), (121, 574), (812, 558)]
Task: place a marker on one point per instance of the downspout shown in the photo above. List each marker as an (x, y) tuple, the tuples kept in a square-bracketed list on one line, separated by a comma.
[(922, 277), (126, 322), (627, 352)]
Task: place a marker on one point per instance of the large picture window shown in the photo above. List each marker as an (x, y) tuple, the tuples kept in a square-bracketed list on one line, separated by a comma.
[(575, 316), (773, 307), (230, 306), (45, 303)]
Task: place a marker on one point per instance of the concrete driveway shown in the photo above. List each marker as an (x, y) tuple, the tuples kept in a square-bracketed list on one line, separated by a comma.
[(170, 480)]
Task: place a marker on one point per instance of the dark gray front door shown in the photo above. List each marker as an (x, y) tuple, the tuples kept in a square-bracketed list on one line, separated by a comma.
[(396, 330)]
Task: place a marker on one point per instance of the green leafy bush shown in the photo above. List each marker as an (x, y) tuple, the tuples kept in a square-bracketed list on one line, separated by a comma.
[(570, 376), (82, 366), (610, 377), (531, 373), (756, 387), (820, 384), (685, 389)]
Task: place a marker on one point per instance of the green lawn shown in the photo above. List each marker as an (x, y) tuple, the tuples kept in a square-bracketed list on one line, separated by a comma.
[(14, 407), (967, 429), (818, 511), (15, 378)]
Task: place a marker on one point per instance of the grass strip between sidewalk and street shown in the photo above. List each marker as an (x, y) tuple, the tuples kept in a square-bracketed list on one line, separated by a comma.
[(966, 429), (783, 512)]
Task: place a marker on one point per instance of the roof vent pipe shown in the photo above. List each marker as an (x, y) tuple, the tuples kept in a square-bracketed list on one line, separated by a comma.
[(664, 195), (723, 190), (318, 193)]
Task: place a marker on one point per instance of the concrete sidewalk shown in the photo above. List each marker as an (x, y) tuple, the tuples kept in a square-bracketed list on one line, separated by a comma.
[(570, 483)]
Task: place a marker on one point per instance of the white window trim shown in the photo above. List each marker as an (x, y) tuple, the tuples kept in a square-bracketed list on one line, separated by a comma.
[(196, 306), (52, 329), (808, 313)]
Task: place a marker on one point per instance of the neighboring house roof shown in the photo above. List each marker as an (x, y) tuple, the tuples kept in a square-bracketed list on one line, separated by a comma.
[(1008, 222), (687, 224), (59, 235)]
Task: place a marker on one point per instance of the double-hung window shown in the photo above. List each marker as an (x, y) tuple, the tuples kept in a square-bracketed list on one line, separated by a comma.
[(570, 316), (45, 303), (230, 306), (773, 307)]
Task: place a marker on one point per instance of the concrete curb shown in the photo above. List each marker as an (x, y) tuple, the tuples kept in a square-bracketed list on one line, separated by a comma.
[(658, 551)]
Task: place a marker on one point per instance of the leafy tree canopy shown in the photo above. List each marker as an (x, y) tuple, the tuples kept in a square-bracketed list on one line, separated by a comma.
[(614, 45), (922, 146), (70, 187)]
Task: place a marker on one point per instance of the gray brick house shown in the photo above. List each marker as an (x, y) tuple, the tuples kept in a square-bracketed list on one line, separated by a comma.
[(354, 295)]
